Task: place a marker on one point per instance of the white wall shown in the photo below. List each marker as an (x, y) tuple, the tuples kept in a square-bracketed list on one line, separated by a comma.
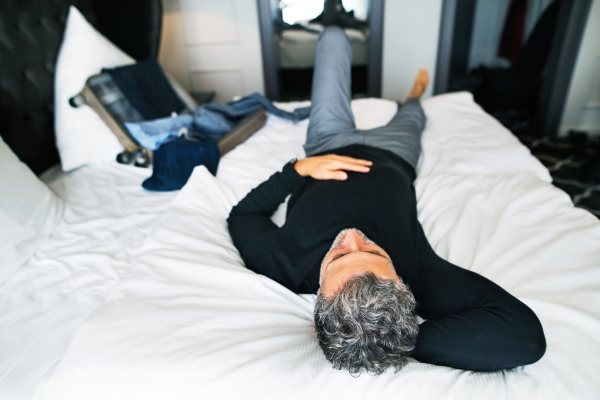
[(410, 40), (173, 51), (582, 110), (213, 46)]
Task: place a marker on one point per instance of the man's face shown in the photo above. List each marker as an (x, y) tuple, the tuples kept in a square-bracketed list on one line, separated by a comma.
[(353, 253)]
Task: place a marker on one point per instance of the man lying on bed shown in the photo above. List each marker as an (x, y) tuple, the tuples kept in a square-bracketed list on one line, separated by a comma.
[(353, 238)]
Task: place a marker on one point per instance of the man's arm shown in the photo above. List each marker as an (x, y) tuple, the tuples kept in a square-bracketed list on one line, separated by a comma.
[(250, 224), (473, 323)]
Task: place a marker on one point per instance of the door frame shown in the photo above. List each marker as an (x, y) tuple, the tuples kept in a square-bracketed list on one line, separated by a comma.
[(267, 13)]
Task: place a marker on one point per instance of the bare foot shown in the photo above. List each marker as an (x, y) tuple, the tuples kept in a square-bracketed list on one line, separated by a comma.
[(420, 85)]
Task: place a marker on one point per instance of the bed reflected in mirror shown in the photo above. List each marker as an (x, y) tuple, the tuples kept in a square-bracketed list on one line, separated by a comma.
[(298, 31), (290, 30)]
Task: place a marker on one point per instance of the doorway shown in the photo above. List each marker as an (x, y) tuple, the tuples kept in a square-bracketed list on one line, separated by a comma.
[(515, 56), (289, 33)]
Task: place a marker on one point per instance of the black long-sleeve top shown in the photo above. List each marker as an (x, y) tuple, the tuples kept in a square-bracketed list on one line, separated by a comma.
[(472, 323)]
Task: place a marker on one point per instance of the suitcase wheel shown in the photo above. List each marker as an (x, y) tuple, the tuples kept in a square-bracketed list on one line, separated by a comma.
[(125, 157), (77, 101), (141, 158)]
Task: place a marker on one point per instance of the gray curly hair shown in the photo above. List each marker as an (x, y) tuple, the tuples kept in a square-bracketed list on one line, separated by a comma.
[(370, 323)]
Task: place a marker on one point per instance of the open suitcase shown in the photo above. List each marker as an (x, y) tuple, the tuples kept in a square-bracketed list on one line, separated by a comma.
[(103, 95)]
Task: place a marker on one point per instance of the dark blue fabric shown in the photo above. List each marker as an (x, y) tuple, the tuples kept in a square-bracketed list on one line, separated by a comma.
[(215, 120), (210, 121), (174, 162), (147, 89), (251, 103)]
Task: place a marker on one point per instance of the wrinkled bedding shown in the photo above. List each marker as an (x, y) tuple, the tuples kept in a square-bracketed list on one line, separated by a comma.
[(177, 315), (106, 219)]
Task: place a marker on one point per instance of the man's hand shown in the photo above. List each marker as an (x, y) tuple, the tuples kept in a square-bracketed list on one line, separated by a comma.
[(330, 166)]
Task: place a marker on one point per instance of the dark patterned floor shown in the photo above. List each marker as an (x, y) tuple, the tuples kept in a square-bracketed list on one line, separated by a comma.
[(573, 162)]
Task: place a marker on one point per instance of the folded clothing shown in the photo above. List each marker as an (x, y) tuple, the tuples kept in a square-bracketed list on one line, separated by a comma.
[(174, 162)]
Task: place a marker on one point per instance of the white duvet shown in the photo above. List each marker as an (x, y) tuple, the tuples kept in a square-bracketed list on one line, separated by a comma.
[(188, 321), (105, 223)]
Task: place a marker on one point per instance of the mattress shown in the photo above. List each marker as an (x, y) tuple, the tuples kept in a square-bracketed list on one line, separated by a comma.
[(187, 320), (106, 220), (297, 48)]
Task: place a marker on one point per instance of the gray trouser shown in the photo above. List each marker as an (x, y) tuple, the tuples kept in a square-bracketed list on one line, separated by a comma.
[(331, 122)]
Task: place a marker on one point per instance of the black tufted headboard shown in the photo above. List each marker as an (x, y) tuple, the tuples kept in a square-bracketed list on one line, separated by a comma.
[(30, 36)]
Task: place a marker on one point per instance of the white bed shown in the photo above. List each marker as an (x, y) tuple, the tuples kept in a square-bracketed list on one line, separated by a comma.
[(297, 48), (106, 219), (164, 308)]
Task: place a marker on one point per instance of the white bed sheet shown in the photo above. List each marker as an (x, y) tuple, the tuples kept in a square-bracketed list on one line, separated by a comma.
[(297, 48), (107, 217), (189, 321)]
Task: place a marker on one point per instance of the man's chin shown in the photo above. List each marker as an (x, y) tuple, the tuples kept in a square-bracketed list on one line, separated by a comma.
[(338, 241)]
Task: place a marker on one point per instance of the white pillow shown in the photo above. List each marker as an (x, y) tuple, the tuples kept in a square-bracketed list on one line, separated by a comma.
[(29, 212), (81, 136)]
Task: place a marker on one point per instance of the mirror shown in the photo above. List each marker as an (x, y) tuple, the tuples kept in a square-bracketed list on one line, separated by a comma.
[(289, 33)]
